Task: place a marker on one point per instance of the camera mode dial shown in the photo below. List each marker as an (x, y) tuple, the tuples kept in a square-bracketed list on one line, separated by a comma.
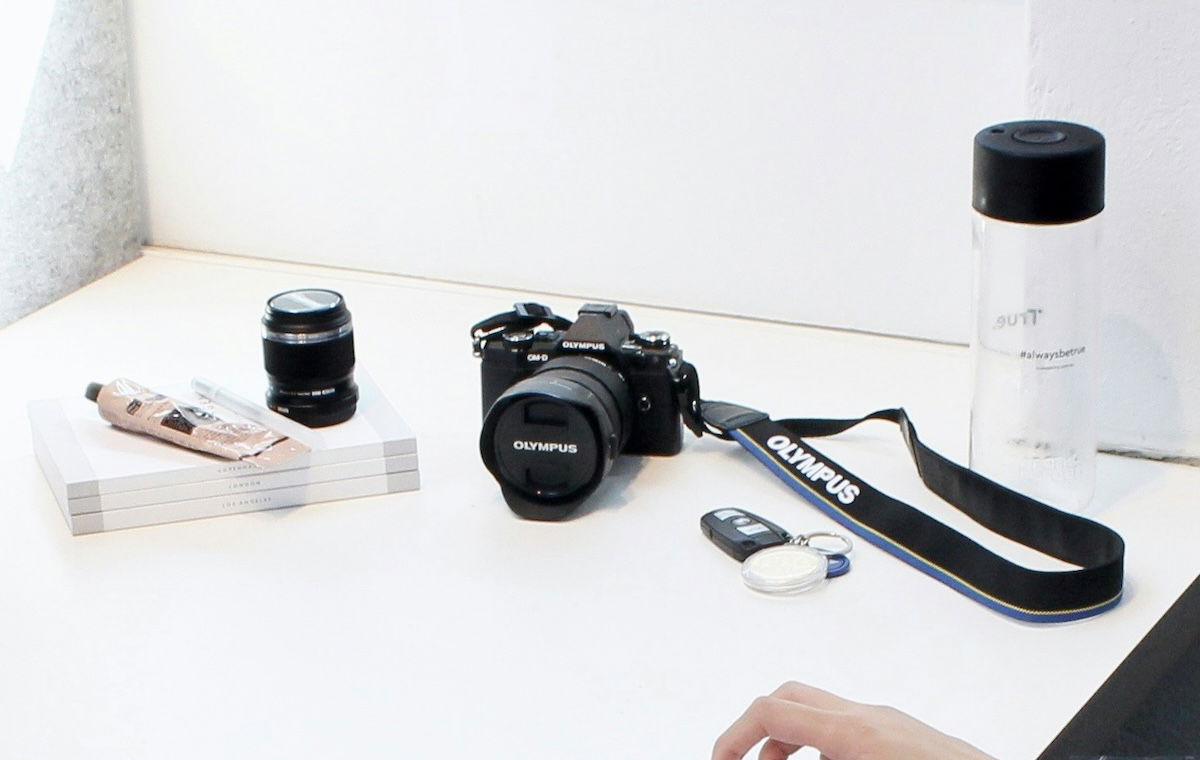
[(653, 338), (519, 337)]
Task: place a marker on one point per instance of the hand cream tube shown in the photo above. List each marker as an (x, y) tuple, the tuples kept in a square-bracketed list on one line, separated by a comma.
[(128, 405)]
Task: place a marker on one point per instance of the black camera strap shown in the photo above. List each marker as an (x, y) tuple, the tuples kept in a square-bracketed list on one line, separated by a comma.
[(524, 316), (1039, 596)]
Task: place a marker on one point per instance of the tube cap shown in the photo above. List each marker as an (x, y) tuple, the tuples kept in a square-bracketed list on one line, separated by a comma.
[(1039, 172)]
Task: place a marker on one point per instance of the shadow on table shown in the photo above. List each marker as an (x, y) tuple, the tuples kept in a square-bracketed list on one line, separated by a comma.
[(615, 490)]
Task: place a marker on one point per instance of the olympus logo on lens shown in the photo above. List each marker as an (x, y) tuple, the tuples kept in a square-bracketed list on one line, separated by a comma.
[(562, 448), (308, 351)]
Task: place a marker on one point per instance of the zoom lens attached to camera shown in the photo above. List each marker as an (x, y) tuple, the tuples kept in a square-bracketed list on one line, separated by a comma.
[(308, 349), (562, 400)]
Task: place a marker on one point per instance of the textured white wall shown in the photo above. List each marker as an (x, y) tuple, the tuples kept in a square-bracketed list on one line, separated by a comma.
[(1131, 68), (792, 159), (70, 208)]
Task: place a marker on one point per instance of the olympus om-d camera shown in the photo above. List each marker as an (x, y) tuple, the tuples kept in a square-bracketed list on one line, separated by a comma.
[(562, 400)]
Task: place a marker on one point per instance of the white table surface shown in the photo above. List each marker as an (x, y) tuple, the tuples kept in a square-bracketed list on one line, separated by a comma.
[(437, 624)]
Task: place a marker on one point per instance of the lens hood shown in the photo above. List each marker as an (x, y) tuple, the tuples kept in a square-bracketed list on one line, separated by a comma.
[(551, 438)]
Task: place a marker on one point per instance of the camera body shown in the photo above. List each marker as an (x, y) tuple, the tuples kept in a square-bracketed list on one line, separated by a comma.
[(648, 360), (562, 400)]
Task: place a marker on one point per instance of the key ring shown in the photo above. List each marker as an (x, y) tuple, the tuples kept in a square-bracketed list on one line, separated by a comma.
[(798, 565), (806, 539)]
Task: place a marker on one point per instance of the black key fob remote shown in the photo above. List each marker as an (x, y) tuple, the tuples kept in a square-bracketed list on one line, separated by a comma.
[(739, 533)]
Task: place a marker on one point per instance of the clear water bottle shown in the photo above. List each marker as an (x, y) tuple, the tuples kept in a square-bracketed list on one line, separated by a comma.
[(1038, 193)]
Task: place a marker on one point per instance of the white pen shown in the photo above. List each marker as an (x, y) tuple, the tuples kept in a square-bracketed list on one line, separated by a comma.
[(256, 412)]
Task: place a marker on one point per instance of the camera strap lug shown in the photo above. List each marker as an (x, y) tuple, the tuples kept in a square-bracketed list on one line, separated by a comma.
[(687, 382)]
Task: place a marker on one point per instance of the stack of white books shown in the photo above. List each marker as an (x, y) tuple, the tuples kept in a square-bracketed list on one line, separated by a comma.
[(105, 478)]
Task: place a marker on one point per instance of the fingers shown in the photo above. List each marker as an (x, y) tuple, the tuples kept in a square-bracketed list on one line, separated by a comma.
[(796, 715), (790, 724), (794, 691), (773, 749)]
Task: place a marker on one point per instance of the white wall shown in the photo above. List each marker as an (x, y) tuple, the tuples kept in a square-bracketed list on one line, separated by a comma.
[(793, 159), (1131, 68)]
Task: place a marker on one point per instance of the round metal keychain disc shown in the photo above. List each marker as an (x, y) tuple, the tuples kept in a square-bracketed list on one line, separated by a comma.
[(785, 569)]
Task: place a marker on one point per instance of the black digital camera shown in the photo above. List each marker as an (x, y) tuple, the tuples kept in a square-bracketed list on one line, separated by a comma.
[(561, 400)]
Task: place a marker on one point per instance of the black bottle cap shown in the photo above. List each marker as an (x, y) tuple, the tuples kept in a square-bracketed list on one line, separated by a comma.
[(92, 392), (1039, 172)]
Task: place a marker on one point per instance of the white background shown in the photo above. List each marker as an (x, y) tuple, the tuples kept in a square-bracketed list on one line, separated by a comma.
[(802, 161), (805, 161)]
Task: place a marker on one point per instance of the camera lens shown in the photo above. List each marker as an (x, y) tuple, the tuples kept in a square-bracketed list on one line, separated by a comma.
[(550, 438), (308, 349)]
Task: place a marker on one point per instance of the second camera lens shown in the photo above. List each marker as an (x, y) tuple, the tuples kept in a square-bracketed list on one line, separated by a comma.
[(308, 350)]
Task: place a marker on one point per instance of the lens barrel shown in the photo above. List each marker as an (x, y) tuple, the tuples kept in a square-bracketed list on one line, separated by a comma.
[(551, 438), (308, 350)]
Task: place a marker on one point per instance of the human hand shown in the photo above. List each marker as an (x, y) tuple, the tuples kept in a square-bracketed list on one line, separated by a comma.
[(796, 716)]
